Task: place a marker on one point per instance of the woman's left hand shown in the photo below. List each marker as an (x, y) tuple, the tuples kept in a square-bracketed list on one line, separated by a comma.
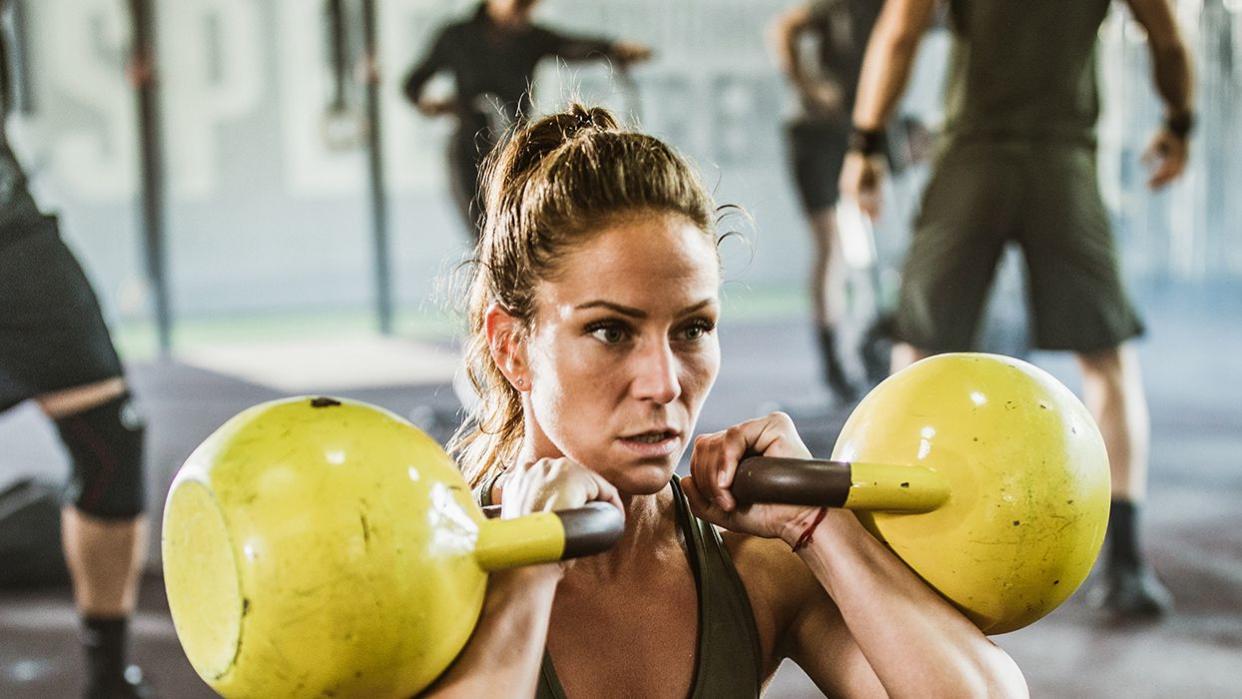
[(714, 463)]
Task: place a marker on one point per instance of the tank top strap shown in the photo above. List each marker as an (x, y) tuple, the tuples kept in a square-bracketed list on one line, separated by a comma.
[(483, 493), (729, 660)]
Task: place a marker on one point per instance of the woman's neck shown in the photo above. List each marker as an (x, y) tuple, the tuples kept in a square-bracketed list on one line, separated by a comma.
[(650, 532)]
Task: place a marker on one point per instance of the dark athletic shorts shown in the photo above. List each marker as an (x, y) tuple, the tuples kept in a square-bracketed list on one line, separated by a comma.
[(1045, 198), (52, 334), (816, 151)]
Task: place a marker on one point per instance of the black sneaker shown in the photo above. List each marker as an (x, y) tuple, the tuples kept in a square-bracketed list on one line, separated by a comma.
[(1129, 592), (129, 685)]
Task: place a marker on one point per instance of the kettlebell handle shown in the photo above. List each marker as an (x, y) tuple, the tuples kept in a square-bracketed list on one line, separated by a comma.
[(591, 529), (852, 485), (544, 537)]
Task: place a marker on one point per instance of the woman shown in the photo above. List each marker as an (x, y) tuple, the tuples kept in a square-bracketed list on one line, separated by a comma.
[(593, 311)]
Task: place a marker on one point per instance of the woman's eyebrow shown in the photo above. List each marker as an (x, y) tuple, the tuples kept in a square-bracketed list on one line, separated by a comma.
[(638, 312), (696, 307), (623, 310)]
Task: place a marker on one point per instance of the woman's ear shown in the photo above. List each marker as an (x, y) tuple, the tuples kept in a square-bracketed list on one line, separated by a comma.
[(505, 342)]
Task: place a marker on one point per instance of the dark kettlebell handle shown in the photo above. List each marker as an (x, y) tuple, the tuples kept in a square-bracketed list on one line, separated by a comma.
[(853, 485), (590, 529), (770, 479)]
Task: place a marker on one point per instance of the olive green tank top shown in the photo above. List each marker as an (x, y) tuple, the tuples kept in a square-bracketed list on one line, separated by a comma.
[(1023, 70), (727, 663)]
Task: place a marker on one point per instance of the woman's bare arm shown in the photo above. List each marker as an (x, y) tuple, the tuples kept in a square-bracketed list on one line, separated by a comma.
[(783, 35), (915, 643), (506, 650)]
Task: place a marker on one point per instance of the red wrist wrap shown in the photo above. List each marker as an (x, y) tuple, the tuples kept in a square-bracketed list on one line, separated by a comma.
[(809, 532)]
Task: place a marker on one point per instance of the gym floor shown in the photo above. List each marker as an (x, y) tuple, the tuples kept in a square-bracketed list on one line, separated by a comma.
[(1193, 523)]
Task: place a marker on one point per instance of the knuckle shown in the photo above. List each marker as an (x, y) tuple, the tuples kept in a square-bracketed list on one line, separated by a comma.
[(781, 418)]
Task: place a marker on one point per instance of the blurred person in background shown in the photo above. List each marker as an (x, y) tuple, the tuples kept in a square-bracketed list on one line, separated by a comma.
[(1017, 161), (492, 56), (55, 348), (816, 137)]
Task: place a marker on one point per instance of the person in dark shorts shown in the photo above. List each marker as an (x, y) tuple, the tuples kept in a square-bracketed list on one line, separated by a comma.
[(55, 349), (816, 140), (492, 57), (1017, 161)]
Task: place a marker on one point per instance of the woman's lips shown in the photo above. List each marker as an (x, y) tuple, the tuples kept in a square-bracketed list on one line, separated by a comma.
[(652, 444)]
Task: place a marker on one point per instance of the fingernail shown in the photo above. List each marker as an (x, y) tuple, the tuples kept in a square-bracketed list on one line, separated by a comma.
[(722, 479)]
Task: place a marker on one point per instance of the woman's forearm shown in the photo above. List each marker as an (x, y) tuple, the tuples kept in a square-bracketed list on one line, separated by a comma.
[(504, 654), (917, 643)]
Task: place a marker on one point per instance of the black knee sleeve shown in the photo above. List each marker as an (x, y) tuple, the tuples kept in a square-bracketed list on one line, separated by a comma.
[(105, 446)]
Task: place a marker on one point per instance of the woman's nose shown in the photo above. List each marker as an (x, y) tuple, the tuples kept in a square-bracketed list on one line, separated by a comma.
[(656, 374)]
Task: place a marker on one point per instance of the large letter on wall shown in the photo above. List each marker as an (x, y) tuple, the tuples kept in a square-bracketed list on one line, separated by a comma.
[(311, 168), (211, 67), (80, 43)]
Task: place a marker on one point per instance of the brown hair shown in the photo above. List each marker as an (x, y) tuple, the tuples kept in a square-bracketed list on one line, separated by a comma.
[(549, 187)]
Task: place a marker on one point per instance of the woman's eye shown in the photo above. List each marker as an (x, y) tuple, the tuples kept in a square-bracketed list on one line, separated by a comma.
[(696, 330), (607, 333)]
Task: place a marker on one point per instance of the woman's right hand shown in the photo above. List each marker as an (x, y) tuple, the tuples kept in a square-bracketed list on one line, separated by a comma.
[(553, 484)]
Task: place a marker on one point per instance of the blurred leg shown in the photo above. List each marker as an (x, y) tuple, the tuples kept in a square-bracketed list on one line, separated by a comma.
[(827, 299), (106, 559), (827, 272), (1113, 391), (104, 531)]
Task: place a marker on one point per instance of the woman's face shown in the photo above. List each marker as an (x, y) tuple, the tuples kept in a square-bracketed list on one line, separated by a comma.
[(623, 349)]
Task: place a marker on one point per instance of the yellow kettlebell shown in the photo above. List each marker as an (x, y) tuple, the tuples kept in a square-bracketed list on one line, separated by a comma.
[(985, 474), (322, 547)]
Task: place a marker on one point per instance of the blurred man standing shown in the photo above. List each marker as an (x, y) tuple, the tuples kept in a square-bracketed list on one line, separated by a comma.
[(55, 348), (1017, 162), (817, 137), (492, 57)]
